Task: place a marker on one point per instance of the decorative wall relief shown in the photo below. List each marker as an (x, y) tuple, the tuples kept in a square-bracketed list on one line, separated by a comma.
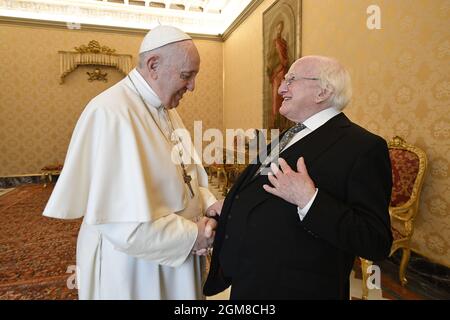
[(95, 55), (97, 74)]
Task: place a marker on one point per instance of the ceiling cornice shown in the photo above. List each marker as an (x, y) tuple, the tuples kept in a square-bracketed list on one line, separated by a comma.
[(251, 7), (212, 17), (90, 27), (241, 18)]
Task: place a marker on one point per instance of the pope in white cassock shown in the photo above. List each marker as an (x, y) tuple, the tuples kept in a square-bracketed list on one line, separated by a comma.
[(144, 231)]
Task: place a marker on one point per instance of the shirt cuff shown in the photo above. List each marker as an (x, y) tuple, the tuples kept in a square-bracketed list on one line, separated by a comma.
[(303, 211)]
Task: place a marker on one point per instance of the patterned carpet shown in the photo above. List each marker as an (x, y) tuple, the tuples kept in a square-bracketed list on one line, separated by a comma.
[(5, 191), (35, 251)]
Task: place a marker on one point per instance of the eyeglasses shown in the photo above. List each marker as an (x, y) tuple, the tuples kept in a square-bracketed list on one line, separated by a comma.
[(291, 78)]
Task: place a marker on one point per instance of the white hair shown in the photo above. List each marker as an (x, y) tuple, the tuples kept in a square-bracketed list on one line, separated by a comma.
[(143, 57), (333, 74), (162, 51)]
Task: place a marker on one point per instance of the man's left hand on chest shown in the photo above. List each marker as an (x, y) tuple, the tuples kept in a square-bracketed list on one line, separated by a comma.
[(294, 187)]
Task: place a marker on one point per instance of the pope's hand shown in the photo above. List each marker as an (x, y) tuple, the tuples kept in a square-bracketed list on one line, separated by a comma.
[(215, 209), (205, 237), (210, 228)]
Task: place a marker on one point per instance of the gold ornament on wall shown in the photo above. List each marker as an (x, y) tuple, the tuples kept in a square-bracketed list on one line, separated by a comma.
[(97, 74), (94, 55), (94, 47)]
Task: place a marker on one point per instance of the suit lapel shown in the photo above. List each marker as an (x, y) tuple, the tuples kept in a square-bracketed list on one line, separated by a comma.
[(318, 141), (250, 177), (309, 147)]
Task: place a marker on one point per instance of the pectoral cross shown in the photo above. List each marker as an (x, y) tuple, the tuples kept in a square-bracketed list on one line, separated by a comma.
[(187, 179)]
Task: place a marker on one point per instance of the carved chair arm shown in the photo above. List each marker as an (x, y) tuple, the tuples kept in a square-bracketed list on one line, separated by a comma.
[(405, 212)]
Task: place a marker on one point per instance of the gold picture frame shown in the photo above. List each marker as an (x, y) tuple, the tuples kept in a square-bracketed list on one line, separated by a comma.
[(282, 46)]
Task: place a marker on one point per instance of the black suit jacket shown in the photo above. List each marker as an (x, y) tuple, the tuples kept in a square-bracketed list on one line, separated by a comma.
[(265, 251)]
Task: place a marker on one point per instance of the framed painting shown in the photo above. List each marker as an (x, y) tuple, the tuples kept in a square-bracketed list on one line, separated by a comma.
[(282, 46)]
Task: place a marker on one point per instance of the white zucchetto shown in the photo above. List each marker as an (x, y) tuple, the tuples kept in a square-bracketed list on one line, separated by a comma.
[(161, 36)]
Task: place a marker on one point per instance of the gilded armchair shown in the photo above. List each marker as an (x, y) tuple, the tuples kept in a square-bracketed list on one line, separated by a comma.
[(408, 169)]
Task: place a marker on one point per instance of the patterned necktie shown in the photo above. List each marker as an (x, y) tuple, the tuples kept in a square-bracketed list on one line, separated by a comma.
[(287, 137)]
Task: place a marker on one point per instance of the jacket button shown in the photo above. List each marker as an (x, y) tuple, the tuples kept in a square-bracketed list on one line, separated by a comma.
[(236, 197), (227, 237), (229, 217)]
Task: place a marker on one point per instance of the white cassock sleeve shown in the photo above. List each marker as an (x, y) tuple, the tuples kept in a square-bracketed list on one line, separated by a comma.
[(208, 199), (166, 241)]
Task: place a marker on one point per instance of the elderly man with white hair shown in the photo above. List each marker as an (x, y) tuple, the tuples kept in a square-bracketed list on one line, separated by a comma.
[(294, 233), (144, 228)]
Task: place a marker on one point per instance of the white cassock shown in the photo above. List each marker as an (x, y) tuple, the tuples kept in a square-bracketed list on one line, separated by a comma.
[(137, 231)]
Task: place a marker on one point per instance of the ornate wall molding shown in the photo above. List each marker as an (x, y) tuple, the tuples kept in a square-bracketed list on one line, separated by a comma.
[(92, 54)]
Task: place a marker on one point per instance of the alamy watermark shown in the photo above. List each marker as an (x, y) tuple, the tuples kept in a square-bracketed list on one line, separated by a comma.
[(374, 279), (73, 281), (373, 21), (212, 146)]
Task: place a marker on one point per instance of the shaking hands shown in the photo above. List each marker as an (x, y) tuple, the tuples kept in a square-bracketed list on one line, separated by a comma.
[(207, 229)]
